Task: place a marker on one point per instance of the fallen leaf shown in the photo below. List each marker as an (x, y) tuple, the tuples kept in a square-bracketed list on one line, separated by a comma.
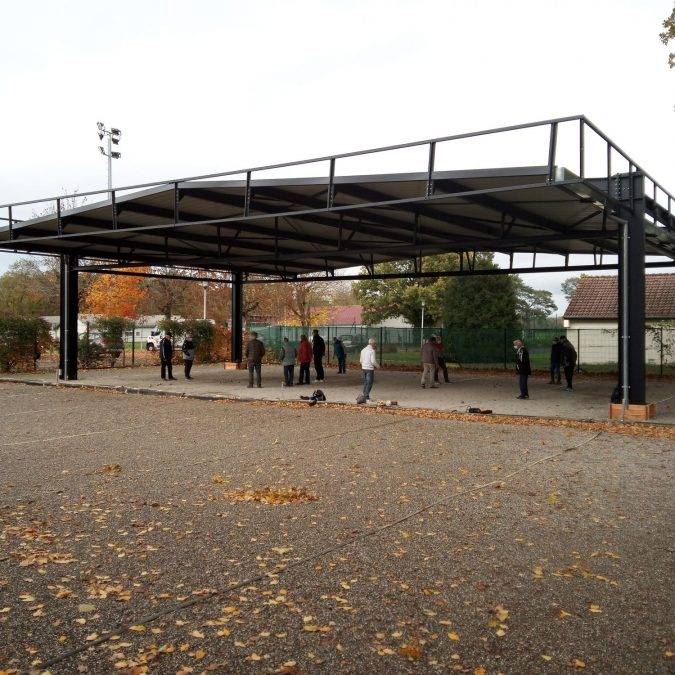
[(410, 652)]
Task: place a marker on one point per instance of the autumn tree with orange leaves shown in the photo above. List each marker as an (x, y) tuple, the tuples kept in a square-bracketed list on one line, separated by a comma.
[(115, 295)]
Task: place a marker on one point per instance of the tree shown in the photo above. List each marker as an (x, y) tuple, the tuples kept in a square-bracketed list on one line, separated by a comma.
[(305, 303), (170, 297), (386, 298), (668, 34), (29, 289), (532, 304), (115, 295), (480, 302)]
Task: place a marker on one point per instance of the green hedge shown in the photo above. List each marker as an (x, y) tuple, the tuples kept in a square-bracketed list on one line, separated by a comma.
[(203, 335), (22, 340)]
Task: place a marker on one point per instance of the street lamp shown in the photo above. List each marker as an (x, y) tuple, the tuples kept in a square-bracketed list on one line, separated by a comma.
[(204, 285), (113, 135), (422, 330)]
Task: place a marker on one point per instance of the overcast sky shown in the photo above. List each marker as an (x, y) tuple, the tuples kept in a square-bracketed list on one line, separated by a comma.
[(210, 86)]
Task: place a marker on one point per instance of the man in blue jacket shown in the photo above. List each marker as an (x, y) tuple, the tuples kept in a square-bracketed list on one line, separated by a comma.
[(340, 355), (166, 354)]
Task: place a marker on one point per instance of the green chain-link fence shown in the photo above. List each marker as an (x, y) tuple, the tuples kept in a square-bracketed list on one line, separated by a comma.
[(597, 349)]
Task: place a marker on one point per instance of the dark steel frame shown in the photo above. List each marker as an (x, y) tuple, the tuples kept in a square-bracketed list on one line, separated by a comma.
[(625, 198)]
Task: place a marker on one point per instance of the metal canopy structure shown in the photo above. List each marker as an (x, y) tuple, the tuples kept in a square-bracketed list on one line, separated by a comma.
[(283, 229)]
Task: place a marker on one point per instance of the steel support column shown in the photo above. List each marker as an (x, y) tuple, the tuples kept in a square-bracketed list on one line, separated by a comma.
[(632, 297), (68, 311), (237, 314)]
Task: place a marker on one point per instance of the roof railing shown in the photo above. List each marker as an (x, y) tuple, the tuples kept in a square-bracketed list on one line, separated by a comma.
[(432, 143)]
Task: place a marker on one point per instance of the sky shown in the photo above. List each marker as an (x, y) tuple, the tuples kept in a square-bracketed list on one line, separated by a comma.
[(212, 86)]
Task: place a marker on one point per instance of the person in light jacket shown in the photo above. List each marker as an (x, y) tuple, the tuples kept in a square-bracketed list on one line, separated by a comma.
[(165, 355), (288, 356), (368, 365), (189, 352), (429, 363)]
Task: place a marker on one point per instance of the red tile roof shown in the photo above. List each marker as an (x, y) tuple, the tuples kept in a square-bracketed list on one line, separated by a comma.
[(346, 316), (597, 298)]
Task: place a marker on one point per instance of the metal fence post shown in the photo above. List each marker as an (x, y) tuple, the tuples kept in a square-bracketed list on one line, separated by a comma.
[(328, 347), (578, 350), (381, 344), (133, 345), (504, 347)]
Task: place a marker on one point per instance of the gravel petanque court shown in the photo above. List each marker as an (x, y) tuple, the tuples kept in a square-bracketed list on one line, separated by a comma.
[(153, 534)]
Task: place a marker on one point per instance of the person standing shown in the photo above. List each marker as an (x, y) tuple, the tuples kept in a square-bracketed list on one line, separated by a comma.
[(441, 361), (429, 362), (340, 355), (255, 350), (288, 356), (165, 355), (569, 361), (318, 349), (556, 358), (305, 358), (189, 352), (368, 366), (522, 367)]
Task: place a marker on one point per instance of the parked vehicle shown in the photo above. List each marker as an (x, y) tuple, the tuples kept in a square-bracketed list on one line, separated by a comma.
[(154, 338)]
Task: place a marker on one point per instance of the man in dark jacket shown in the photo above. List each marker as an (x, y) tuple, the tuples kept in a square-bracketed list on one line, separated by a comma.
[(522, 367), (569, 360), (340, 355), (166, 354), (189, 351), (255, 350), (556, 360), (441, 361), (318, 349)]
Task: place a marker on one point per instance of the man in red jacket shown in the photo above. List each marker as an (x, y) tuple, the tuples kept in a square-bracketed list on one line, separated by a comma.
[(305, 357)]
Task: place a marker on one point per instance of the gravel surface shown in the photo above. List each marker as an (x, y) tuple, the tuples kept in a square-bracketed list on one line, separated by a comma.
[(131, 519)]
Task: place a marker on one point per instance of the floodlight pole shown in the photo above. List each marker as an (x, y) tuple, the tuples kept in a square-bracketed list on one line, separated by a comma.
[(109, 161), (204, 285), (422, 330), (113, 137)]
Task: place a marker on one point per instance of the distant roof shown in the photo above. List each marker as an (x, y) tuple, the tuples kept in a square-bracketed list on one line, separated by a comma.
[(597, 298), (346, 315)]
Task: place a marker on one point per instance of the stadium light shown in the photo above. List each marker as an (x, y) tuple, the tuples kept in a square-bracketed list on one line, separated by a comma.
[(113, 135)]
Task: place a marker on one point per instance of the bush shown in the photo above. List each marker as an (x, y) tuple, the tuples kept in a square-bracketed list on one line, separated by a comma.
[(90, 354), (176, 327), (111, 330), (22, 340), (203, 335)]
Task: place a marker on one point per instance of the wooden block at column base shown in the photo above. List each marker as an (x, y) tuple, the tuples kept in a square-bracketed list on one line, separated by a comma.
[(633, 411), (233, 365)]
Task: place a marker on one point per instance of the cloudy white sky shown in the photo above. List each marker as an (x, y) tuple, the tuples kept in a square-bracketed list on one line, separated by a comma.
[(210, 86)]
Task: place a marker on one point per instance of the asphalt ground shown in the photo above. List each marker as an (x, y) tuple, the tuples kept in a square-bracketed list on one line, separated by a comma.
[(124, 548)]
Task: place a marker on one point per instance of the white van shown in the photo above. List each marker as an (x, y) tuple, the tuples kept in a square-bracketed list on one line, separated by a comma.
[(154, 338)]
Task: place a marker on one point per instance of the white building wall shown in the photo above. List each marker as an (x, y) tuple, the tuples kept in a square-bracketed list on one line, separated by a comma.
[(598, 341)]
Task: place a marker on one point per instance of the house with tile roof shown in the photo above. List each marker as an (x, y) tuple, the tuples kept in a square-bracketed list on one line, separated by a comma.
[(595, 303), (591, 319)]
